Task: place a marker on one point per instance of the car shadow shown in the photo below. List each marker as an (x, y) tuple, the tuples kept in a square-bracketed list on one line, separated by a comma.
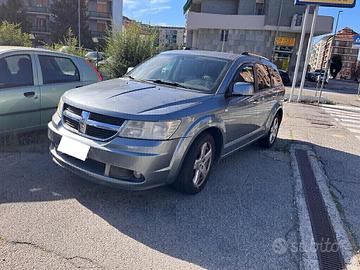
[(231, 224)]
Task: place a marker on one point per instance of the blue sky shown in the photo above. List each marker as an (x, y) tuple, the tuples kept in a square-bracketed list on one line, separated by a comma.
[(170, 12)]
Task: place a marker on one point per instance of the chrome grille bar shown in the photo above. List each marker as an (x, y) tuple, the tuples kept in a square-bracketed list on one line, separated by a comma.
[(87, 127)]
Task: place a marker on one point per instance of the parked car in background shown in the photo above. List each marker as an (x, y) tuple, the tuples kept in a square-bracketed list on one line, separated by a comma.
[(32, 82), (95, 57), (285, 77), (168, 120)]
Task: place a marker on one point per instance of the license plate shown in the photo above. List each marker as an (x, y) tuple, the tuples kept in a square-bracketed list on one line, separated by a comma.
[(73, 148)]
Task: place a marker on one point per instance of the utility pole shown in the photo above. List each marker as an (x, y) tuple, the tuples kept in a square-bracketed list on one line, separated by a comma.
[(327, 69), (313, 24), (299, 53), (79, 22)]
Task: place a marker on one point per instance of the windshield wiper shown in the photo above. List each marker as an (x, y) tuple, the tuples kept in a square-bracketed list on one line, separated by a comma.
[(130, 77), (167, 83)]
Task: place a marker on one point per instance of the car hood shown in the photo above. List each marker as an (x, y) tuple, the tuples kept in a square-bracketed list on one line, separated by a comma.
[(134, 100)]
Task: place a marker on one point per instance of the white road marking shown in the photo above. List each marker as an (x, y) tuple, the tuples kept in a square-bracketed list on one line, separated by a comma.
[(346, 116), (354, 130), (341, 107)]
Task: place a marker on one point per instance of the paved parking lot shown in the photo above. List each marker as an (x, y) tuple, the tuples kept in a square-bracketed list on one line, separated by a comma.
[(53, 219)]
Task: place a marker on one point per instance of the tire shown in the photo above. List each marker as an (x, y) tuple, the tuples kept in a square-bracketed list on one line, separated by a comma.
[(270, 138), (191, 180)]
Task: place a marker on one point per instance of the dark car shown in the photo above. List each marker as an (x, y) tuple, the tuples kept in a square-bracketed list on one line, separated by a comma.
[(285, 77)]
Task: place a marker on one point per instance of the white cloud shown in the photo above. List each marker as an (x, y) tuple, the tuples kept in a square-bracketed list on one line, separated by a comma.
[(154, 10), (159, 1)]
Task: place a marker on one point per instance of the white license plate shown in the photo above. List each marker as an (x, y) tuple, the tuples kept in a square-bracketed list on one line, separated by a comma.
[(73, 148)]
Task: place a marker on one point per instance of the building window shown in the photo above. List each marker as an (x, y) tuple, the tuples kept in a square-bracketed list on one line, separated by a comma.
[(101, 7), (41, 3), (101, 26), (224, 35), (260, 7), (40, 24)]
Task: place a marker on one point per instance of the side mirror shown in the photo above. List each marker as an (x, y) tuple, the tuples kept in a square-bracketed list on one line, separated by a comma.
[(242, 89), (129, 69)]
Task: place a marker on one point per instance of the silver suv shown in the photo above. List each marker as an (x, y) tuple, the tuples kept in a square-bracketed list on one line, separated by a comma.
[(168, 120)]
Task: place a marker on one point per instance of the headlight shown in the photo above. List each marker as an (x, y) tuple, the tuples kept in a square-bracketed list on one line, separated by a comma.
[(149, 130), (60, 107)]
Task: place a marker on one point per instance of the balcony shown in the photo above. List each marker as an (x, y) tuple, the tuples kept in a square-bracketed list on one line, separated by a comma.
[(40, 30), (38, 9), (197, 20), (98, 34), (99, 15)]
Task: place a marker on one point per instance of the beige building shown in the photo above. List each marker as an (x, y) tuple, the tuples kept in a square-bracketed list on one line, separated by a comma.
[(171, 37), (317, 54), (270, 28)]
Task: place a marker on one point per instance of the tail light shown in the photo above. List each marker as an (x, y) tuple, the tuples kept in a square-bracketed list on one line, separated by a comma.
[(95, 69)]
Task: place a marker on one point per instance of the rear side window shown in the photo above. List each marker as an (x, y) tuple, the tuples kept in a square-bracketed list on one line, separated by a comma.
[(58, 69), (275, 78), (263, 77), (16, 71)]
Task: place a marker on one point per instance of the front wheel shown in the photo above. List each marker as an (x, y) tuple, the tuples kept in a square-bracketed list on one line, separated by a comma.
[(197, 165), (269, 140)]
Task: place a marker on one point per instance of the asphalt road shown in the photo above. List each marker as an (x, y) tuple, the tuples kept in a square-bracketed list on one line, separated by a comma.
[(51, 219)]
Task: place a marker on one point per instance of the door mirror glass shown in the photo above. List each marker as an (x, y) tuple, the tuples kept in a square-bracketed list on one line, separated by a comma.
[(243, 89), (129, 69)]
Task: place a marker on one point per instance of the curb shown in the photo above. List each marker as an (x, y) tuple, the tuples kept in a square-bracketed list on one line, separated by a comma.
[(309, 258)]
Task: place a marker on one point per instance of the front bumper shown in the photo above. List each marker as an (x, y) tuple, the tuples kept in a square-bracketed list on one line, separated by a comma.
[(157, 161)]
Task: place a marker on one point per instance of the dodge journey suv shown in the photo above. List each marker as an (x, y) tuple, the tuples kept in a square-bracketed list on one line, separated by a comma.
[(167, 121)]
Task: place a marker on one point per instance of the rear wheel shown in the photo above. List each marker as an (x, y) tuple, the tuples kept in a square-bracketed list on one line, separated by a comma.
[(197, 165), (269, 140)]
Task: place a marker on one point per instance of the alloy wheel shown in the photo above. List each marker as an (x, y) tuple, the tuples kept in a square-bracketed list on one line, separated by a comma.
[(202, 164)]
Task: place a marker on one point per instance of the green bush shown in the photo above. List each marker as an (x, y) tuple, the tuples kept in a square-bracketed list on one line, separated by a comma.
[(11, 35), (68, 45), (129, 48)]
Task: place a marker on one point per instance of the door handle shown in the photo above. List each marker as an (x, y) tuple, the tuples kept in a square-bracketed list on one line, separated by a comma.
[(78, 86), (29, 94)]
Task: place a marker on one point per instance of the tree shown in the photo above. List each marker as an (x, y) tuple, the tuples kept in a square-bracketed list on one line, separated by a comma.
[(65, 16), (13, 11), (129, 48), (11, 35), (336, 65)]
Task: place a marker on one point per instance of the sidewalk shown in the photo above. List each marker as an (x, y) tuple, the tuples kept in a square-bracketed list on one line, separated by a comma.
[(338, 149), (328, 96)]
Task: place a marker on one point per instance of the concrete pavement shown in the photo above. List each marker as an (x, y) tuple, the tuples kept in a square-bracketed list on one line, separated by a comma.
[(54, 220)]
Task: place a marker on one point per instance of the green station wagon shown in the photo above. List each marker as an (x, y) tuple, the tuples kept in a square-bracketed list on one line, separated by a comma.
[(32, 82)]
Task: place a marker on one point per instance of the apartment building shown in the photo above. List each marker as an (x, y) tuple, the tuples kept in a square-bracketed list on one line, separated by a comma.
[(343, 47), (317, 54), (267, 27), (171, 37), (101, 15)]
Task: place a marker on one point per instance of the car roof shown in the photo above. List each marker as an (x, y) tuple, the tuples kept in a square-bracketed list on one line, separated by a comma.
[(228, 56), (6, 49)]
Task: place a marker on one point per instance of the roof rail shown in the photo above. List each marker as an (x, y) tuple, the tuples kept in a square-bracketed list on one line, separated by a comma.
[(255, 55)]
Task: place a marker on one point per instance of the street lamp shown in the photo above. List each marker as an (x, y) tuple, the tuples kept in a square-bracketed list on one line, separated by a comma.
[(327, 69), (96, 41), (79, 22)]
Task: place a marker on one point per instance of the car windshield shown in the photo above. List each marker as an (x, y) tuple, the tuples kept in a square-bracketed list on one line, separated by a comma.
[(194, 72)]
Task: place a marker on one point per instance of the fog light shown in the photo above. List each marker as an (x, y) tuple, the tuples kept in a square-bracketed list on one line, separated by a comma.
[(137, 175)]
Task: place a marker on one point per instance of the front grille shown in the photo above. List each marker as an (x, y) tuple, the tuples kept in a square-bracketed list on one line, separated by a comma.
[(90, 124)]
